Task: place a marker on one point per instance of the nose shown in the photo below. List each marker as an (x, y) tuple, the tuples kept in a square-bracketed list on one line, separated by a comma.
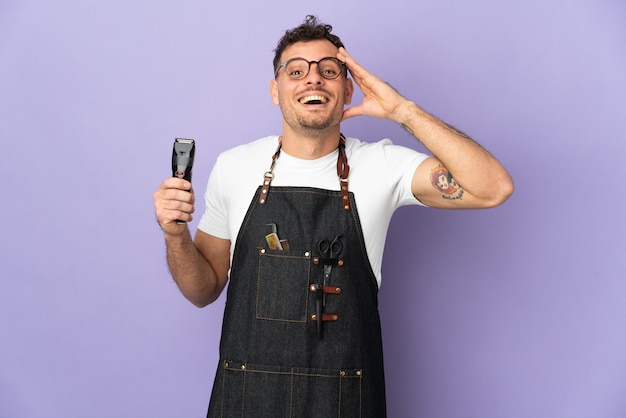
[(314, 76)]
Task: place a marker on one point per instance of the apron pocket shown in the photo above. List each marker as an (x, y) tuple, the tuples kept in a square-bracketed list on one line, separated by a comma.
[(283, 285), (250, 390)]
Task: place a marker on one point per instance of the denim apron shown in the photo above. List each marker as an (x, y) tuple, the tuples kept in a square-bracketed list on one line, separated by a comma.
[(278, 356)]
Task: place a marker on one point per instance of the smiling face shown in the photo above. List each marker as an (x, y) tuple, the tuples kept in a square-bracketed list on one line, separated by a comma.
[(313, 105)]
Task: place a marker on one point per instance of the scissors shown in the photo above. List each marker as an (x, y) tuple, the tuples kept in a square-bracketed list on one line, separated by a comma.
[(330, 251)]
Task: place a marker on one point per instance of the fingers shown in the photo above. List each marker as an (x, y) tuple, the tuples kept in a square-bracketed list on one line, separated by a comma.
[(356, 71), (355, 68), (175, 183), (174, 200), (380, 100), (363, 78), (343, 55)]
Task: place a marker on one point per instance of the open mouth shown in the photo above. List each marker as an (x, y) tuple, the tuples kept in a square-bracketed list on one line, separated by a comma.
[(313, 100)]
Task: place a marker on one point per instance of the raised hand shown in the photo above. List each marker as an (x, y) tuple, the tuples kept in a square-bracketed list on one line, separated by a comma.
[(380, 100)]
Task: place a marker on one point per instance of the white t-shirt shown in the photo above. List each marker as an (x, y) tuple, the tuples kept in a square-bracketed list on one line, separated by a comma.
[(380, 178)]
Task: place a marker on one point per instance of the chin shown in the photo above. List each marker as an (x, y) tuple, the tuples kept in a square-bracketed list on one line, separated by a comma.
[(318, 124)]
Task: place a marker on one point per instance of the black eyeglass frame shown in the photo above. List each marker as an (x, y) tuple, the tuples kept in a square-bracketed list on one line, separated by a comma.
[(342, 65)]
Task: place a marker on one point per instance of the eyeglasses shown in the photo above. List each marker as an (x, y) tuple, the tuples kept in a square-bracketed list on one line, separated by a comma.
[(298, 68)]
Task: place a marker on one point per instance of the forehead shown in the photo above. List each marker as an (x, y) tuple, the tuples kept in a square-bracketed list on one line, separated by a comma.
[(310, 50)]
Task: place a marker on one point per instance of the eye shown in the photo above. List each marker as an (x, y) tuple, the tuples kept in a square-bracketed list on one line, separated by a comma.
[(329, 68), (296, 68)]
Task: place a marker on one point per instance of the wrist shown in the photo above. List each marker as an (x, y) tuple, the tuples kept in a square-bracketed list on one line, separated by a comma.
[(410, 116), (406, 113), (175, 232)]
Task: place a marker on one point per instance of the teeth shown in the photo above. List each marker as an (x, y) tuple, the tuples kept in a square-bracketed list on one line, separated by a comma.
[(313, 100)]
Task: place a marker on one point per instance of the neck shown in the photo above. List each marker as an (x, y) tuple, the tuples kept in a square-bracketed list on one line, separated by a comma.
[(310, 146)]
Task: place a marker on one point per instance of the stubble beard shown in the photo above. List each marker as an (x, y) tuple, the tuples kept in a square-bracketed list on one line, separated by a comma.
[(310, 123), (313, 124)]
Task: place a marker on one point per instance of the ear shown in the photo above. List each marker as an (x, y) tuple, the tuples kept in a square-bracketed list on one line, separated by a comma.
[(274, 92), (347, 95)]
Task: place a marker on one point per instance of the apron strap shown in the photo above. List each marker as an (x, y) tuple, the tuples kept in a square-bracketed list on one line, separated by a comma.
[(343, 170), (269, 175)]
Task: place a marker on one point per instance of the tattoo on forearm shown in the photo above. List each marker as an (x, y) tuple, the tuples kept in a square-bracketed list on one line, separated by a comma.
[(442, 180)]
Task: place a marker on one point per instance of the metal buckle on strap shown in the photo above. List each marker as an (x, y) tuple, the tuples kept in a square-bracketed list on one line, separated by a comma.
[(343, 170), (267, 180), (269, 175)]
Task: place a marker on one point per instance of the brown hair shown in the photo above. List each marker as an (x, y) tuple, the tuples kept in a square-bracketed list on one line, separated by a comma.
[(310, 30)]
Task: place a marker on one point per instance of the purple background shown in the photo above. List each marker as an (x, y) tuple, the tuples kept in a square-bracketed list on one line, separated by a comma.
[(518, 311)]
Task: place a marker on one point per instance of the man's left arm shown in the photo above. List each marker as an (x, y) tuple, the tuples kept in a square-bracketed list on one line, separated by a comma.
[(460, 175)]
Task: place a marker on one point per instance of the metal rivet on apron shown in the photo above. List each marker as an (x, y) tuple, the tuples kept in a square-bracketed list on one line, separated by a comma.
[(338, 289), (243, 367), (307, 254), (225, 364), (346, 207), (342, 373), (313, 288), (340, 262), (358, 372), (313, 317), (262, 250)]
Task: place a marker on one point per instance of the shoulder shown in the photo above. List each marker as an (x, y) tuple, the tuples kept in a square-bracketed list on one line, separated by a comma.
[(265, 146), (243, 165), (355, 144), (382, 151)]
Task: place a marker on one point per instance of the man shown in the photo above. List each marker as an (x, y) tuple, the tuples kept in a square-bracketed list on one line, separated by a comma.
[(301, 333)]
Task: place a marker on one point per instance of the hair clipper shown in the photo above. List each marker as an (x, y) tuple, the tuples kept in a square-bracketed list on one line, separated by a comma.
[(182, 159)]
